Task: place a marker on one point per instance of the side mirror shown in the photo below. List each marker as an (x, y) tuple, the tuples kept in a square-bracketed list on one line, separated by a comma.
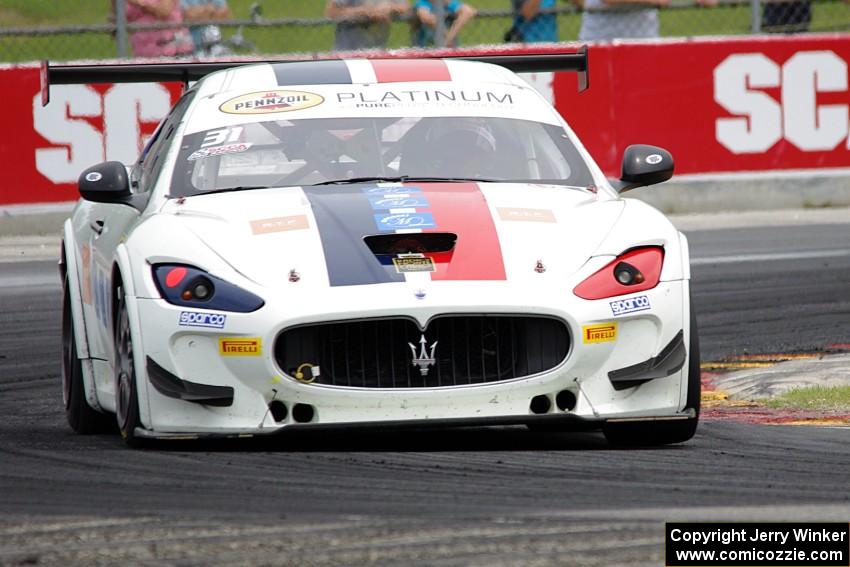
[(105, 183), (644, 165)]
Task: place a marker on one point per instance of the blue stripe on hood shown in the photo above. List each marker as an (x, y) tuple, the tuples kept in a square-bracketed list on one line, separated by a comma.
[(344, 216)]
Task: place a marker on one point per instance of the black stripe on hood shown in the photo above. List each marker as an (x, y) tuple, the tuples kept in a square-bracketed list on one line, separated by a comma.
[(343, 217)]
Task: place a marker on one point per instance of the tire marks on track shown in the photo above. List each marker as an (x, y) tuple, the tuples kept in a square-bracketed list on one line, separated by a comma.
[(348, 541)]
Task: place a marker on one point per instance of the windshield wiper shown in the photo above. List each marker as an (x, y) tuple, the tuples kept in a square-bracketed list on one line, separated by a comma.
[(401, 179), (231, 189), (397, 178)]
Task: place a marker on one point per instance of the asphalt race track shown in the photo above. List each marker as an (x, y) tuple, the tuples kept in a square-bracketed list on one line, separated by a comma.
[(494, 497)]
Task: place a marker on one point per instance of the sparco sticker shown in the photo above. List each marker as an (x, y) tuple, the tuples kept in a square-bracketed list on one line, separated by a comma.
[(196, 319), (623, 306), (219, 151), (267, 102)]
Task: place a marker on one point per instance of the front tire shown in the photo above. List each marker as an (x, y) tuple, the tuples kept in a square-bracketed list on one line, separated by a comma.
[(126, 395), (82, 418), (665, 432)]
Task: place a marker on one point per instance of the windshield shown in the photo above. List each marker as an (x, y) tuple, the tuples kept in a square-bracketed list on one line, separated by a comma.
[(316, 151)]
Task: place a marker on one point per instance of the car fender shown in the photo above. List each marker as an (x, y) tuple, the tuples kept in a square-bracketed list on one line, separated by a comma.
[(685, 253), (124, 268), (77, 314), (686, 328), (643, 225)]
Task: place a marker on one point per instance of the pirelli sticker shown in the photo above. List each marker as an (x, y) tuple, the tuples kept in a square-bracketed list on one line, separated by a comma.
[(603, 333), (268, 102), (414, 263), (239, 346)]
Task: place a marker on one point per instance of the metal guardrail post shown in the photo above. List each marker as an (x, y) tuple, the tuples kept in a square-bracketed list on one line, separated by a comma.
[(121, 29), (755, 16), (440, 29)]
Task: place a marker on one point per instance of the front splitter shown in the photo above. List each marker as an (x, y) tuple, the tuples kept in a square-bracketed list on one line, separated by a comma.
[(561, 422)]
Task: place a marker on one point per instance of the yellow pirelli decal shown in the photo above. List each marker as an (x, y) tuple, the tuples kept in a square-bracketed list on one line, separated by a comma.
[(238, 346), (604, 333)]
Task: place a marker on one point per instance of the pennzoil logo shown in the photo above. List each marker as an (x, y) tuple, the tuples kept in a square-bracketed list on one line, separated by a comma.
[(228, 346), (267, 102), (599, 333), (414, 263)]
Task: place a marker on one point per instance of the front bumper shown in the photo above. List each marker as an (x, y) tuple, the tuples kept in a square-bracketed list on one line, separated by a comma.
[(194, 355)]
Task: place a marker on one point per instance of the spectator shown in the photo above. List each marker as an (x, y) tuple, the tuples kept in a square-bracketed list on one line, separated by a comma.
[(784, 16), (158, 43), (363, 23), (614, 19), (200, 11), (457, 15), (530, 25)]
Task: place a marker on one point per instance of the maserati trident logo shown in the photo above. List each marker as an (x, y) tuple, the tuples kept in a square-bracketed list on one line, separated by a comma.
[(422, 361)]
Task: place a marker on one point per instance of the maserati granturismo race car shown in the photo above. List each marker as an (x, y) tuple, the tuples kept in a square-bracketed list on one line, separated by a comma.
[(379, 243)]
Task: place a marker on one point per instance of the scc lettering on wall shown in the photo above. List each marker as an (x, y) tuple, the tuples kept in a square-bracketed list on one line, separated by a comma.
[(46, 147), (74, 142), (719, 105), (797, 116)]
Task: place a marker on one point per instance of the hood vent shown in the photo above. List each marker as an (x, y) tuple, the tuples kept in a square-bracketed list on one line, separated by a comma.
[(411, 243)]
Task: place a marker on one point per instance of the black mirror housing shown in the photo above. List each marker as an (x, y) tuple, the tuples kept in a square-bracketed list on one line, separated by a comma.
[(644, 165), (105, 182)]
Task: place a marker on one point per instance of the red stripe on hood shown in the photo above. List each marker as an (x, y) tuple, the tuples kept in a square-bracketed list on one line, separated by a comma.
[(404, 71), (462, 209)]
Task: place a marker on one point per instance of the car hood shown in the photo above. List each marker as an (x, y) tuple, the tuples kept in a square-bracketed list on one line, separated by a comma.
[(346, 235)]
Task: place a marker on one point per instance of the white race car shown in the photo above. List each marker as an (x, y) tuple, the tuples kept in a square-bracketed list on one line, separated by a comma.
[(373, 243)]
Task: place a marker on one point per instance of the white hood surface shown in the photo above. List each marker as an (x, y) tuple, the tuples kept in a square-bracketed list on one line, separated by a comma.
[(503, 230)]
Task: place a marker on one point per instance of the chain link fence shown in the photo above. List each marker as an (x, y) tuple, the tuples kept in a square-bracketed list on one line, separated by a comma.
[(32, 30)]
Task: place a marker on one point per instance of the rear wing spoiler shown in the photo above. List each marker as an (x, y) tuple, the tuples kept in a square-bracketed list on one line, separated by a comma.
[(552, 59)]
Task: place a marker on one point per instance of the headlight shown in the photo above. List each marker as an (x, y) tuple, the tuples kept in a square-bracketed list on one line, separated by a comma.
[(638, 269), (188, 286)]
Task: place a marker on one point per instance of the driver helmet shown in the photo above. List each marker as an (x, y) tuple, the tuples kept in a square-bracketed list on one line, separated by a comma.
[(461, 146)]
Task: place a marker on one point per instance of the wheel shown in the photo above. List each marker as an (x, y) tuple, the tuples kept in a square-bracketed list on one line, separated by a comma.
[(81, 417), (665, 432), (126, 395)]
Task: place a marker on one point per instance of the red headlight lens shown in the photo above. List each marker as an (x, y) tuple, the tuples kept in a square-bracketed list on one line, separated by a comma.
[(636, 270), (174, 276)]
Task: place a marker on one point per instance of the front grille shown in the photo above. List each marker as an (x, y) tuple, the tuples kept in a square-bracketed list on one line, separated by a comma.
[(471, 349)]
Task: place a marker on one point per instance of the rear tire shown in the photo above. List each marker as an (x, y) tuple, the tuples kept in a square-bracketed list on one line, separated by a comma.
[(82, 418), (665, 432), (126, 395)]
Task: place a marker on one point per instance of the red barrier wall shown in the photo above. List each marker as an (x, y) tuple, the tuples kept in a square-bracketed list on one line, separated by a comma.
[(44, 148), (719, 105)]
